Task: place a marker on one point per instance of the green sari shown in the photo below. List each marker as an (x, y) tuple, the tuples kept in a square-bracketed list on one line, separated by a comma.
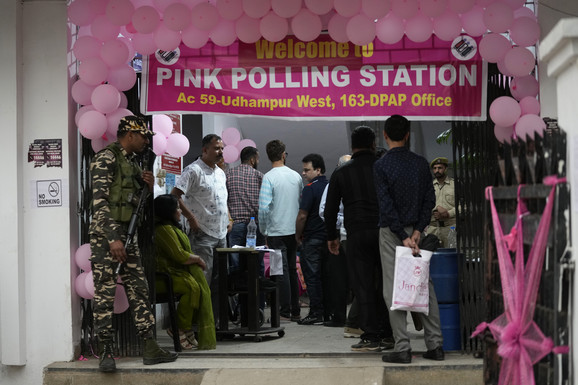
[(173, 250)]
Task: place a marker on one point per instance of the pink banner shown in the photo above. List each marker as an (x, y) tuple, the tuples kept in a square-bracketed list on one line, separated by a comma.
[(321, 79)]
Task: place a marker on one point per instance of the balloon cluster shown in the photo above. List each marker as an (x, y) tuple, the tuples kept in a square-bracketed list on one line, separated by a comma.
[(84, 282), (165, 140), (233, 144)]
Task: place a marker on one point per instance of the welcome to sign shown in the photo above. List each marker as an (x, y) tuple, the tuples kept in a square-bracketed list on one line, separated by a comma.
[(321, 79)]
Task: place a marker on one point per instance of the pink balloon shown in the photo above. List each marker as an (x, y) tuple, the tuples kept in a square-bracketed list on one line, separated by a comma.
[(224, 33), (498, 17), (419, 28), (81, 111), (473, 21), (123, 77), (274, 27), (520, 61), (505, 111), (524, 12), (162, 125), (80, 286), (98, 144), (144, 43), (433, 8), (503, 69), (461, 6), (525, 31), (494, 47), (131, 51), (256, 8), (194, 37), (123, 101), (230, 9), (231, 136), (515, 4), (504, 134), (320, 7), (230, 154), (447, 26), (205, 16), (86, 47), (375, 9), (520, 87), (161, 5), (406, 9), (113, 120), (119, 12), (81, 92), (347, 8), (360, 30), (484, 3), (98, 7), (306, 25), (159, 144), (114, 53), (79, 12), (530, 105), (248, 29), (93, 71), (105, 98), (89, 283), (103, 29), (82, 257), (146, 19), (166, 39), (390, 29), (178, 16), (337, 28), (177, 145), (245, 143), (120, 300), (92, 124), (286, 8), (529, 124)]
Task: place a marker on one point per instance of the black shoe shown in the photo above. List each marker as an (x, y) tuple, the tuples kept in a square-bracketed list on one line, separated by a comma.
[(106, 363), (436, 354), (334, 324), (311, 319), (387, 343), (397, 357), (295, 318), (366, 346), (154, 354)]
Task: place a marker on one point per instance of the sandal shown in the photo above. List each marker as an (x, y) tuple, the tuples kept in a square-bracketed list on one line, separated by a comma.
[(191, 337), (183, 340)]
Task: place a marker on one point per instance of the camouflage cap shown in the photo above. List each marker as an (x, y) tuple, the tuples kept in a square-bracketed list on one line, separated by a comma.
[(134, 123), (439, 160)]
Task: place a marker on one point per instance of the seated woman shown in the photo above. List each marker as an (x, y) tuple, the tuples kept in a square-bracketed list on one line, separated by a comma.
[(174, 256)]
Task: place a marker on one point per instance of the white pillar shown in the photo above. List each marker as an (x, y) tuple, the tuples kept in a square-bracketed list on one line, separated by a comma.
[(559, 51)]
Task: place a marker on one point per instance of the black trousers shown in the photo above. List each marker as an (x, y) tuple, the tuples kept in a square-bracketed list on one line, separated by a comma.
[(364, 264)]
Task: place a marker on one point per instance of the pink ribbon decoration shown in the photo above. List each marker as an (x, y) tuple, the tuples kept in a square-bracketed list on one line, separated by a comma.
[(520, 341)]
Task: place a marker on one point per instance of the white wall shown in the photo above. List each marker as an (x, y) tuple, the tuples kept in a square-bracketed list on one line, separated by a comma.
[(36, 322)]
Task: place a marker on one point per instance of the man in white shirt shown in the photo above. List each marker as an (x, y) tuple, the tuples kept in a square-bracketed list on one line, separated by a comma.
[(278, 208)]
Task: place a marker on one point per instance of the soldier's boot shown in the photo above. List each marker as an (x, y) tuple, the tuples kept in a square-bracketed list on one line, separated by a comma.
[(106, 363), (154, 354)]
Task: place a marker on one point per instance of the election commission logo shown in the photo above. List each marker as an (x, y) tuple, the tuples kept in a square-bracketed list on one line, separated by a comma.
[(464, 47), (168, 57)]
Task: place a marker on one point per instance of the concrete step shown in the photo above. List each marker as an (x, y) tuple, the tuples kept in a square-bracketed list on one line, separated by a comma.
[(290, 369)]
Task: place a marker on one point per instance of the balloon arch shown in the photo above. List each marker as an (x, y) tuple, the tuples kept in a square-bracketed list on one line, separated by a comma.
[(112, 31)]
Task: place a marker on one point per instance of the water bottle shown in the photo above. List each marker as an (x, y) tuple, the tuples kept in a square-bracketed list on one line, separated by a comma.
[(251, 234), (452, 238)]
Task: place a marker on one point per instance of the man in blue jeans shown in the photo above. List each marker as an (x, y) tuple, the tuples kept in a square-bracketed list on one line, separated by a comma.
[(310, 232)]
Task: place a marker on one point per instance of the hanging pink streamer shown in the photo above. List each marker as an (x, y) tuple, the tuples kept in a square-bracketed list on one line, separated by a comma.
[(520, 341)]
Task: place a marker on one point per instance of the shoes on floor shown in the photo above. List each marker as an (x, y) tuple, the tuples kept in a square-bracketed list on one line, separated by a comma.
[(387, 343), (403, 357), (288, 317), (311, 319), (366, 346), (436, 354), (349, 332), (333, 324)]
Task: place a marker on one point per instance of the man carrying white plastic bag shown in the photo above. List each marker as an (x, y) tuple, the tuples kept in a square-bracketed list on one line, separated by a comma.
[(406, 197), (411, 281)]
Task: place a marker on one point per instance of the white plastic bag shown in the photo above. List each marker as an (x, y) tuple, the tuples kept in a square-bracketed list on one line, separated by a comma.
[(411, 281), (275, 262)]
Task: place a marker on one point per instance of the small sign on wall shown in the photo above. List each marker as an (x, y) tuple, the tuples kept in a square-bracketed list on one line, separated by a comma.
[(49, 193)]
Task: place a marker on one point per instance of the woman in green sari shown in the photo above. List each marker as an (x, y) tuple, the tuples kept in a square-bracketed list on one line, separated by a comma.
[(174, 256)]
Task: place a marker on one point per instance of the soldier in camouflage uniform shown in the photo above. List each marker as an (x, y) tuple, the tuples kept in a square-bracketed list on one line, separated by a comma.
[(116, 184)]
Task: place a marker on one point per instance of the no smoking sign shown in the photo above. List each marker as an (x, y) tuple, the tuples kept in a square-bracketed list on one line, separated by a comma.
[(49, 193)]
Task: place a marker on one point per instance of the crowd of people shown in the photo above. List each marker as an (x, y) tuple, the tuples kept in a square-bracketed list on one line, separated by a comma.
[(342, 230)]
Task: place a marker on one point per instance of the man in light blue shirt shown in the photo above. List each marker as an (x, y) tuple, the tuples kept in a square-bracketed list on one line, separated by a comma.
[(278, 208)]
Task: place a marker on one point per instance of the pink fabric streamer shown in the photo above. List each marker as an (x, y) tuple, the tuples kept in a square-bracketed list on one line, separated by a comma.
[(520, 341)]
